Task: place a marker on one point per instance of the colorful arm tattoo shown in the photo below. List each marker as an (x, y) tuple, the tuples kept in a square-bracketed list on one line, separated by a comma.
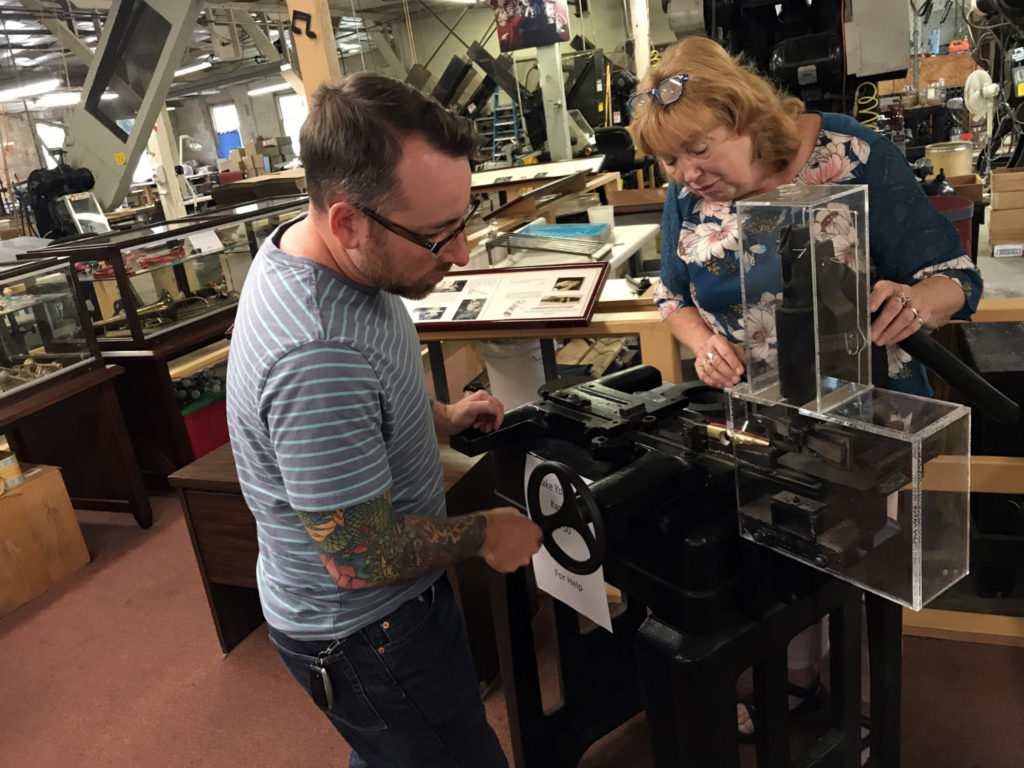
[(370, 545)]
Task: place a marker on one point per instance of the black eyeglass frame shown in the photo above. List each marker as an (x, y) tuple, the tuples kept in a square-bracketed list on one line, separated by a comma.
[(417, 239), (655, 93)]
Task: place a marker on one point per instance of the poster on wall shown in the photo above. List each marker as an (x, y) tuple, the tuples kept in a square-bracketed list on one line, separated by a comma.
[(529, 23)]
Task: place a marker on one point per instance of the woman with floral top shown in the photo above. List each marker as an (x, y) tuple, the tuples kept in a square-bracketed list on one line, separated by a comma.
[(724, 134)]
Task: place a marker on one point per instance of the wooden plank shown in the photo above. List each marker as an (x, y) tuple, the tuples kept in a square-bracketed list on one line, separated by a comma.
[(999, 310), (953, 68), (989, 474), (200, 360), (990, 629)]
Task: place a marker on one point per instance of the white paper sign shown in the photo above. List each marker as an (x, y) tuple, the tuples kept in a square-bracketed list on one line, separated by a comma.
[(584, 594), (205, 241)]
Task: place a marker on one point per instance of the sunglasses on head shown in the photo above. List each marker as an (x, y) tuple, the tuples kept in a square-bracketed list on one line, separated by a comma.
[(668, 91)]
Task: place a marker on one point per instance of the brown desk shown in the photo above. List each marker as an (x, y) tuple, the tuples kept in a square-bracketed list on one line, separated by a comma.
[(223, 534), (74, 422)]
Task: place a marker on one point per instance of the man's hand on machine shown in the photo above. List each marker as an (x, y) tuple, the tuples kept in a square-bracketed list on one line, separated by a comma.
[(479, 410), (510, 540)]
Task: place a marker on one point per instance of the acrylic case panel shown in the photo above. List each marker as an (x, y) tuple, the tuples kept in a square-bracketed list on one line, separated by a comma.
[(43, 330), (874, 491), (805, 283)]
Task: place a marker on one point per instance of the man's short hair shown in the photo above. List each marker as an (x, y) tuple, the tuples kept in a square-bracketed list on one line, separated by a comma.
[(351, 141)]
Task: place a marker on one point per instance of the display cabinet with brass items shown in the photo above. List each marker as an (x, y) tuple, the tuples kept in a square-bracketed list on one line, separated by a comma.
[(57, 399), (157, 297)]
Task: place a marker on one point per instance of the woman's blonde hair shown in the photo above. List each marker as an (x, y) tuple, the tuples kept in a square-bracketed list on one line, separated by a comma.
[(722, 90)]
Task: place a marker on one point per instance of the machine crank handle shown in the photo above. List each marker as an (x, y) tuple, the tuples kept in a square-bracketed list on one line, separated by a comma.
[(971, 385)]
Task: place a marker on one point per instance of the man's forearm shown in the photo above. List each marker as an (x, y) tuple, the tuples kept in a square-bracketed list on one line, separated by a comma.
[(369, 545), (439, 411)]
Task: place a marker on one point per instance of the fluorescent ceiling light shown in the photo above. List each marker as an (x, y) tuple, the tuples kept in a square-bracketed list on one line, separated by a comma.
[(57, 99), (269, 89), (30, 90), (192, 68), (108, 96), (171, 109)]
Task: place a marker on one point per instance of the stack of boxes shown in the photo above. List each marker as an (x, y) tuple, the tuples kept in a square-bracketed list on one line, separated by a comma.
[(256, 158), (1006, 219)]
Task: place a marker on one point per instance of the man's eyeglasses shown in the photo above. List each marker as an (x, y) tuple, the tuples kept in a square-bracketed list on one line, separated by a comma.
[(407, 234), (668, 91)]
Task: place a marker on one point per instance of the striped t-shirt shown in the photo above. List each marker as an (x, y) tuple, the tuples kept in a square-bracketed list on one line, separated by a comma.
[(327, 408)]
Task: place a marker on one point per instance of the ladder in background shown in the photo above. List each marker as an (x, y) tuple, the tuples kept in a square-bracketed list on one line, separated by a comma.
[(505, 126)]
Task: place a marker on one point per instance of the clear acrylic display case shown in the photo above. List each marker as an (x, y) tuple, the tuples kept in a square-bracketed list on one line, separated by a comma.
[(867, 484), (875, 491), (44, 331), (143, 285), (805, 281)]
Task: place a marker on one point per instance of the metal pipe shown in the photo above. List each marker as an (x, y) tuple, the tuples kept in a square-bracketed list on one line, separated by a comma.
[(442, 22), (445, 38)]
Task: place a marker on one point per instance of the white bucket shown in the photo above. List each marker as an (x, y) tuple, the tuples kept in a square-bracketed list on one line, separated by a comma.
[(515, 370)]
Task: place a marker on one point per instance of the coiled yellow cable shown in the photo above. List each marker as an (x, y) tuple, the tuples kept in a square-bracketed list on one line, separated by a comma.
[(865, 108)]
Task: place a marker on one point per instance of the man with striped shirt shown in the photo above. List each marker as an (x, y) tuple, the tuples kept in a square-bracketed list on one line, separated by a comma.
[(334, 436)]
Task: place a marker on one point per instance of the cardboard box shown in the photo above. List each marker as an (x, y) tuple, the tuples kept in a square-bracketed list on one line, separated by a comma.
[(1007, 180), (40, 542), (1005, 201), (1006, 226), (970, 186), (277, 141), (236, 155)]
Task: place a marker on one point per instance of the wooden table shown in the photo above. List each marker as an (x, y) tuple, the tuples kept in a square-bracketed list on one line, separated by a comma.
[(75, 423), (658, 347), (223, 533)]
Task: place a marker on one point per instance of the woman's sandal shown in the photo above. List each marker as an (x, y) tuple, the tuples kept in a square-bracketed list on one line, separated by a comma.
[(811, 699)]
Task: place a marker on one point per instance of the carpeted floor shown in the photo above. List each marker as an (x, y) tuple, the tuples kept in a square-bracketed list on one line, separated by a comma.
[(120, 667)]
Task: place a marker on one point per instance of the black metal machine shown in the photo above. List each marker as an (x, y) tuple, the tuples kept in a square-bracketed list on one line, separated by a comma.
[(702, 603)]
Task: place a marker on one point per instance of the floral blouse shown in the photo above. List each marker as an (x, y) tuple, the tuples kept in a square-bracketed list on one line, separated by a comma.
[(910, 240)]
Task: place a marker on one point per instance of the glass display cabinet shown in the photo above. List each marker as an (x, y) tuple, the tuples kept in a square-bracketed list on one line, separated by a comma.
[(178, 280), (159, 300), (45, 333), (58, 404)]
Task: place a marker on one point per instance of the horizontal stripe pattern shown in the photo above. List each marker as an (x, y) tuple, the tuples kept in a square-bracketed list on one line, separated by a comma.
[(327, 408)]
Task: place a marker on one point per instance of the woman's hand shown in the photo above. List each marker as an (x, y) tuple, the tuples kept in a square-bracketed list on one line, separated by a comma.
[(904, 309), (720, 363)]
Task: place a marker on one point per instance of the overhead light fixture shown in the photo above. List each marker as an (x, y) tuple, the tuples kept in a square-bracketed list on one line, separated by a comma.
[(58, 99), (171, 109), (108, 96), (269, 89), (29, 91), (192, 68)]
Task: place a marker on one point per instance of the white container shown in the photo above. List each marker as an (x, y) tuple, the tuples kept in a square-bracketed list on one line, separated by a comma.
[(953, 158), (515, 370)]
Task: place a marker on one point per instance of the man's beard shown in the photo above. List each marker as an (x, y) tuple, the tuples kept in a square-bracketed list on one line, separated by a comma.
[(383, 274)]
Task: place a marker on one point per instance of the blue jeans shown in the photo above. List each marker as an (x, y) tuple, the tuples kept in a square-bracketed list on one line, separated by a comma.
[(405, 693)]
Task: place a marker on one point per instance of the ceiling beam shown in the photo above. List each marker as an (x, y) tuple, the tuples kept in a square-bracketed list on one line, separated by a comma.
[(65, 36)]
